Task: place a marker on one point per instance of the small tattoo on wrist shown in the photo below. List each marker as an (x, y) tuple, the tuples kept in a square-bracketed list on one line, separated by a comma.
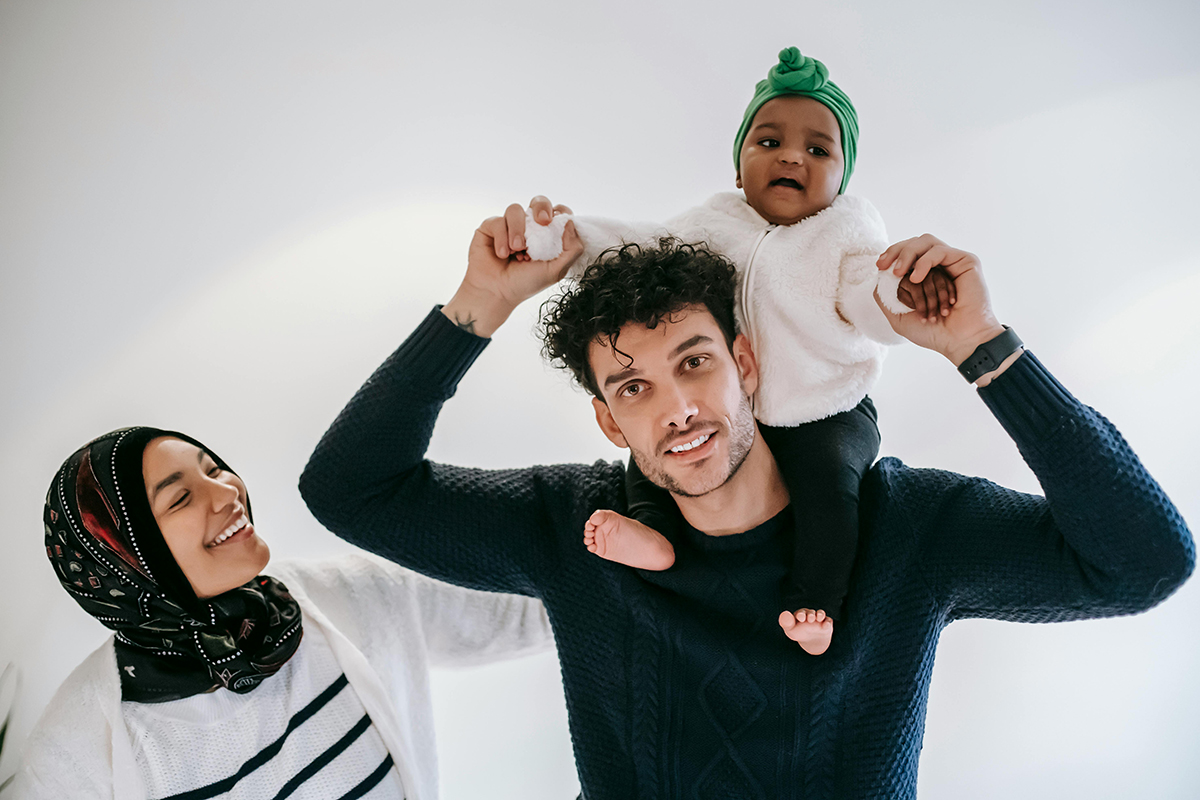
[(467, 324)]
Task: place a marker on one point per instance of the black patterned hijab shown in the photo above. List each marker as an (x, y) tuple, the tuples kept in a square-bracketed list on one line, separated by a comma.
[(110, 556)]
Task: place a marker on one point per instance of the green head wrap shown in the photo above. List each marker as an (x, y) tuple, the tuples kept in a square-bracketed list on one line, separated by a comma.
[(806, 77)]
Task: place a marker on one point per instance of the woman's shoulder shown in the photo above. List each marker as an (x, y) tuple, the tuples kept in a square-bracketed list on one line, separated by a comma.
[(72, 741), (93, 686)]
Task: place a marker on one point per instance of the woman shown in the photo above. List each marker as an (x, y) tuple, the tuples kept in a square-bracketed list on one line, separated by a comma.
[(222, 681)]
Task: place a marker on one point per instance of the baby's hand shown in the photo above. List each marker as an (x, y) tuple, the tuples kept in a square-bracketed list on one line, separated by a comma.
[(930, 298), (508, 232)]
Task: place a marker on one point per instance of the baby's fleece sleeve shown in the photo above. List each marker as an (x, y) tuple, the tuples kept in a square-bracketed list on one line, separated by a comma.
[(599, 234), (860, 280)]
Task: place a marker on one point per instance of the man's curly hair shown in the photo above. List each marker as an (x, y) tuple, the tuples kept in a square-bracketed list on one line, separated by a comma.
[(639, 284)]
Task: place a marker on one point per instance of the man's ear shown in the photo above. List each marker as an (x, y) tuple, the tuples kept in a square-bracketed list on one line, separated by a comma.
[(604, 419), (747, 364)]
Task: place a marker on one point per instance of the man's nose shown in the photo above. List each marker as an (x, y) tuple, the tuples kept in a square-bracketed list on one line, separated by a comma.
[(678, 407)]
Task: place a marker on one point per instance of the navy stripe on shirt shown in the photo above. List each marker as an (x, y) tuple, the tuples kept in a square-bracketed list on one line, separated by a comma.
[(268, 752), (370, 782), (321, 761)]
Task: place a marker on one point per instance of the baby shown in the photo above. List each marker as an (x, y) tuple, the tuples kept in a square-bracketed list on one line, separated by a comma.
[(806, 259)]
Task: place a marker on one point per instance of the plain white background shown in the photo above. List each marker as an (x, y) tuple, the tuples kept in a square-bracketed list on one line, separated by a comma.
[(219, 217)]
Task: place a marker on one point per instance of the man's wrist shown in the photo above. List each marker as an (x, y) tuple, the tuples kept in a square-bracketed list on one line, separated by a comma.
[(988, 377), (477, 312), (991, 357), (959, 351)]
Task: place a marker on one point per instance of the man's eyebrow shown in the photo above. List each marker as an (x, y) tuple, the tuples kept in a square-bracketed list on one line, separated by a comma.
[(699, 338), (617, 377), (630, 371)]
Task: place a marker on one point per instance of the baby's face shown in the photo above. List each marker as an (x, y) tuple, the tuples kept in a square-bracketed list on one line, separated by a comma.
[(791, 160)]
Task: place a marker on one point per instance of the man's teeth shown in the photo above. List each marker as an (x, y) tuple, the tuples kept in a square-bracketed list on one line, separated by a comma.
[(699, 440), (234, 527)]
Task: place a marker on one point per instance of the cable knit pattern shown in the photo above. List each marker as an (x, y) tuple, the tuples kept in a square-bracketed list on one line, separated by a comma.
[(678, 683)]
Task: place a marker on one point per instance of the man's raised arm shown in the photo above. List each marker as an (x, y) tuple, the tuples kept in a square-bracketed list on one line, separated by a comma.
[(368, 480), (1105, 539)]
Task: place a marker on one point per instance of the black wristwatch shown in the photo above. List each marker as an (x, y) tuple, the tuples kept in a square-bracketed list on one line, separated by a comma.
[(990, 355)]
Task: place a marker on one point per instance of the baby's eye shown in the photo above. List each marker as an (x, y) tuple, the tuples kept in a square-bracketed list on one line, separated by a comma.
[(769, 142), (818, 151)]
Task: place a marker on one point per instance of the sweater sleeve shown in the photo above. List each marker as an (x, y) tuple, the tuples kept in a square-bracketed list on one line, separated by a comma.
[(495, 530), (1104, 541), (464, 627)]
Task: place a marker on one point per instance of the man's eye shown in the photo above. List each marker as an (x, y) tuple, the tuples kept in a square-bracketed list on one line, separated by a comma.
[(694, 362), (631, 390)]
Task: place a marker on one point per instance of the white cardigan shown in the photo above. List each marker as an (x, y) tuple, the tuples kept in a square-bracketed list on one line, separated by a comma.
[(386, 626), (806, 296)]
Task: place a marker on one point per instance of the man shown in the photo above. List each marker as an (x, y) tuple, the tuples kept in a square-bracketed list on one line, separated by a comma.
[(679, 683)]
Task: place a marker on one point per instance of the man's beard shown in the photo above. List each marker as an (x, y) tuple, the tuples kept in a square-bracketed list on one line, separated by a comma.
[(741, 439)]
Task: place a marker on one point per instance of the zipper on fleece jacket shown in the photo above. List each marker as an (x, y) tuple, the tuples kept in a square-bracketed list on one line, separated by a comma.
[(747, 283)]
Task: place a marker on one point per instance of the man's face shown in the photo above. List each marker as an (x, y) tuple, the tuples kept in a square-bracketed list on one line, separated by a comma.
[(682, 405), (791, 161)]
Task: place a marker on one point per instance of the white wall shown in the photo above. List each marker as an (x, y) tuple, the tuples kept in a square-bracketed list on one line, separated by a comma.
[(219, 217)]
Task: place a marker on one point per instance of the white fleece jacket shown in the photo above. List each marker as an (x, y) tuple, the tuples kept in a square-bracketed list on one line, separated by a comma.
[(386, 626), (805, 296)]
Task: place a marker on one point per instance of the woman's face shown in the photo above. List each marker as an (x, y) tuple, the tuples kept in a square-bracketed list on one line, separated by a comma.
[(201, 511)]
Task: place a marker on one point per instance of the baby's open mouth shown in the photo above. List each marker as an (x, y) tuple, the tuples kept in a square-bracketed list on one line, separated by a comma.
[(789, 182)]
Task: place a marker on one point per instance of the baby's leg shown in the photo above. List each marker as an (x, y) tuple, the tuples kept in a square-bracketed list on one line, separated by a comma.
[(823, 463), (627, 541)]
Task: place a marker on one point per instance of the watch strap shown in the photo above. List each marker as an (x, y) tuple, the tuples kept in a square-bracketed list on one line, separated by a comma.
[(990, 355)]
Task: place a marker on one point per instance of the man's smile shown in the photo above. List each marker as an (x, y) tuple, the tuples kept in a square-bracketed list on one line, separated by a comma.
[(692, 447)]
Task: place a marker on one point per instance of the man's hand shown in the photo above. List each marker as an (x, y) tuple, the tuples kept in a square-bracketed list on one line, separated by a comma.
[(500, 275), (970, 322)]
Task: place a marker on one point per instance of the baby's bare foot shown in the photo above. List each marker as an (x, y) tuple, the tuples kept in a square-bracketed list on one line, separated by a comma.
[(627, 541), (811, 629)]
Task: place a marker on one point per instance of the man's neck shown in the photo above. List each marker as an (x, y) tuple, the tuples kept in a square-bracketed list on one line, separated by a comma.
[(748, 499)]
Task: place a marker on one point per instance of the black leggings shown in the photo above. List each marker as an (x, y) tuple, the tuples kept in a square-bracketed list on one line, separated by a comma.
[(822, 464)]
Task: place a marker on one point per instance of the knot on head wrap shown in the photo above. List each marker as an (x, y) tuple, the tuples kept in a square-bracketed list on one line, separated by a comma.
[(797, 74), (110, 556)]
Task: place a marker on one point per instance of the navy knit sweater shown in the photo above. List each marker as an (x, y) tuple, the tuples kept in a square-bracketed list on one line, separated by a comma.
[(680, 683)]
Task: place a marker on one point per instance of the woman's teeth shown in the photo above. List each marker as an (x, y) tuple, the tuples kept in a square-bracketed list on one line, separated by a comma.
[(233, 528), (683, 448)]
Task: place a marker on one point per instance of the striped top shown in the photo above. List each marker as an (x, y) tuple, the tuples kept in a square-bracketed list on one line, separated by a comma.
[(302, 734)]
